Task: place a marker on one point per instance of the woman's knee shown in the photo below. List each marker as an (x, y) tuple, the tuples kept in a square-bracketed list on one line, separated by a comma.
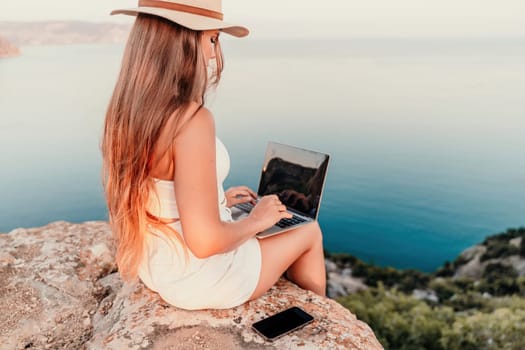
[(315, 233)]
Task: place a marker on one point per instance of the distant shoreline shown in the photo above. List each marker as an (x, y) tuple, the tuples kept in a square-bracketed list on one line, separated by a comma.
[(7, 49), (63, 32)]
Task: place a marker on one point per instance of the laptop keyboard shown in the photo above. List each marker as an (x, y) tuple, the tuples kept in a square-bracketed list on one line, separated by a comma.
[(294, 220), (247, 207)]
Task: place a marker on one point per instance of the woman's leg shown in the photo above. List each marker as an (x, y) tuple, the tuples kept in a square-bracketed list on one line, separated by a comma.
[(300, 253)]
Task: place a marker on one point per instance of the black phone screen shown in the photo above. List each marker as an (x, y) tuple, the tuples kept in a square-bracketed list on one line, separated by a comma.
[(282, 322)]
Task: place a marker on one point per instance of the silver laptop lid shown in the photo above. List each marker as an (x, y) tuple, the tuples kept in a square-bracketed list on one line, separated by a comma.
[(296, 175)]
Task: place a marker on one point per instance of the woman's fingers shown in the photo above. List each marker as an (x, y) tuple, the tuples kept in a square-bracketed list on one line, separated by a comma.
[(248, 192), (245, 195), (269, 210), (240, 194), (242, 191)]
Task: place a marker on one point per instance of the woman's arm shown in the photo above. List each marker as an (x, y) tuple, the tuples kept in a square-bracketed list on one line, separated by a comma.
[(195, 182)]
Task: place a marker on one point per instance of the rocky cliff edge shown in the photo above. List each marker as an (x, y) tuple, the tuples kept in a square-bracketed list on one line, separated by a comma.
[(59, 289)]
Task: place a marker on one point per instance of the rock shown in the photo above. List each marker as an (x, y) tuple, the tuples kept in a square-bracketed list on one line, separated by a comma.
[(472, 252), (517, 262), (429, 295), (330, 266), (59, 289), (50, 283), (473, 268), (516, 242), (343, 284), (347, 272), (335, 289), (140, 318)]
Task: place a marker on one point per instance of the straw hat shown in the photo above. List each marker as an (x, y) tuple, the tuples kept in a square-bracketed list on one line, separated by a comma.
[(196, 14)]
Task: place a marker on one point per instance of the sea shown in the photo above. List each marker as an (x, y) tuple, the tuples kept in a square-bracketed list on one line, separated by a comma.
[(426, 135)]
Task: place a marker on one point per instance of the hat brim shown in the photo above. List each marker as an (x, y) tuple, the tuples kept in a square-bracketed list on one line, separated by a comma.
[(188, 20)]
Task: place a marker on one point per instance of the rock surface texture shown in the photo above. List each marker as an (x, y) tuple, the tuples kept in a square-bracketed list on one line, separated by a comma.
[(59, 289)]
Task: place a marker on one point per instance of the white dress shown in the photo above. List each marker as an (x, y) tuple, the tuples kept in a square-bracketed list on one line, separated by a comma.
[(218, 282)]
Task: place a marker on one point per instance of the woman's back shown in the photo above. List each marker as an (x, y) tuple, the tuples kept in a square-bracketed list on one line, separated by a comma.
[(163, 203)]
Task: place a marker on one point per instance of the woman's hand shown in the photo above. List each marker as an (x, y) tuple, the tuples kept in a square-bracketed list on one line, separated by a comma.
[(268, 211), (239, 194)]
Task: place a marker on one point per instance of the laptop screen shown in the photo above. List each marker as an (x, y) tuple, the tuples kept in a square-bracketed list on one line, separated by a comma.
[(296, 175)]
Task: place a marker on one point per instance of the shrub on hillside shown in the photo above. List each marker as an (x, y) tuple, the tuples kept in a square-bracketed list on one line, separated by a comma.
[(403, 322), (521, 285), (500, 287), (447, 270), (412, 279), (341, 259), (450, 292), (498, 270), (400, 321), (505, 236), (499, 249), (464, 283), (464, 301), (444, 288), (502, 329), (405, 280), (510, 302), (460, 260), (499, 280)]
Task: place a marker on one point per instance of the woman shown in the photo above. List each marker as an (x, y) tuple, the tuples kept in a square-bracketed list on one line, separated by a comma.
[(164, 168)]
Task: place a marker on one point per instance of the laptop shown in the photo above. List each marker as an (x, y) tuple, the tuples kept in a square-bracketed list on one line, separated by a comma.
[(297, 176)]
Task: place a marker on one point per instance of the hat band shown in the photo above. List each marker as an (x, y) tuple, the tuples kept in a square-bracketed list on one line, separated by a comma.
[(182, 8)]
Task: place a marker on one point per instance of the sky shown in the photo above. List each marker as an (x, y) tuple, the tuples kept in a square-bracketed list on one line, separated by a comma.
[(326, 18)]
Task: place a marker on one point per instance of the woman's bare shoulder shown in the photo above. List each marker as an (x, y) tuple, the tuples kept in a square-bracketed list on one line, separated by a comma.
[(197, 119), (196, 122)]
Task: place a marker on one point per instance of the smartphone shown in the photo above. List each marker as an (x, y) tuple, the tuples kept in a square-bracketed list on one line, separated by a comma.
[(282, 323)]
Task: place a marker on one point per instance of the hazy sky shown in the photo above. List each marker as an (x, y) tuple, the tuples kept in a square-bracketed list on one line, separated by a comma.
[(274, 18)]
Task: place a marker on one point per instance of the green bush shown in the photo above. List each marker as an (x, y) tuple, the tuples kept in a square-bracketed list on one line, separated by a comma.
[(464, 283), (505, 236), (341, 258), (498, 270), (444, 290), (464, 301), (460, 260), (412, 279), (447, 270), (500, 287), (499, 249), (400, 321), (403, 322), (521, 285), (499, 280), (510, 302), (502, 329)]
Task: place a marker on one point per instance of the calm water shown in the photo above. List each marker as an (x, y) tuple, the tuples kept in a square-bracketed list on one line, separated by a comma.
[(426, 136)]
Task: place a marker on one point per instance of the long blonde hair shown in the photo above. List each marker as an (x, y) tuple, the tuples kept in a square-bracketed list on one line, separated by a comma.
[(163, 70)]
